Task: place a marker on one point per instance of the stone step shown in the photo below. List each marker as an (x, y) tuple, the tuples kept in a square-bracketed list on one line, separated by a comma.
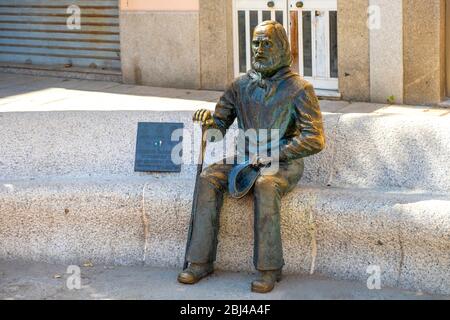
[(381, 151), (334, 231)]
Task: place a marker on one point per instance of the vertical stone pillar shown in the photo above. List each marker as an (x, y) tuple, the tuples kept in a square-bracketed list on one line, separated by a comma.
[(386, 51), (353, 50), (447, 45), (424, 51), (216, 43)]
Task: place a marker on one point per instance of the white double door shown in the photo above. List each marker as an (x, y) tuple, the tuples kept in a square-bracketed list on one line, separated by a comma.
[(312, 29)]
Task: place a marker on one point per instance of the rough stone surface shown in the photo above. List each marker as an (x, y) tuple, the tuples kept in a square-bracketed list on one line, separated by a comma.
[(336, 232), (393, 152), (70, 220), (97, 144), (344, 230), (378, 150), (73, 143)]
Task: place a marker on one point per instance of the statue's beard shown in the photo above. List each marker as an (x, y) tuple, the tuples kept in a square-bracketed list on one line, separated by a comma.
[(268, 66)]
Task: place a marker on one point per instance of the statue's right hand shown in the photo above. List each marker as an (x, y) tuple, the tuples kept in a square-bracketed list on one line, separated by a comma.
[(204, 116)]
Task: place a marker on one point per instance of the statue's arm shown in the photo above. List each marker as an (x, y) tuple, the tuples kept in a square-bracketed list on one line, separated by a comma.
[(225, 112), (311, 139)]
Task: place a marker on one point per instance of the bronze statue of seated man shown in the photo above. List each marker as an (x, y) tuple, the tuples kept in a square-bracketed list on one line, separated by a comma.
[(270, 96)]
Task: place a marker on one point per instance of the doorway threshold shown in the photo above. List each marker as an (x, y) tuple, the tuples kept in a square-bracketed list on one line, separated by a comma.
[(328, 94)]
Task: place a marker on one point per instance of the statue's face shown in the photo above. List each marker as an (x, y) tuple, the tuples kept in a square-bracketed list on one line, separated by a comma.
[(267, 54)]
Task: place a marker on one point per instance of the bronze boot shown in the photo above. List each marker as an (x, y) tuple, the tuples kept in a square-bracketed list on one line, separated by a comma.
[(266, 282), (195, 272)]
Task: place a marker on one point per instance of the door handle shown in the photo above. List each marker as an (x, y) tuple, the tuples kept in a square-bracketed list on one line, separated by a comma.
[(318, 13), (299, 4), (271, 4)]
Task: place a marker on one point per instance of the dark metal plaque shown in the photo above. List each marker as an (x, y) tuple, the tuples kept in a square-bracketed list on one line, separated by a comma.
[(154, 147)]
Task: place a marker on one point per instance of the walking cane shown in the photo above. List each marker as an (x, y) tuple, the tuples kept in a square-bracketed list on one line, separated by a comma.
[(195, 198)]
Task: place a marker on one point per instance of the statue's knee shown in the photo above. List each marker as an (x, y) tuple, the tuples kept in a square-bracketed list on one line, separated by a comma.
[(266, 185), (209, 180)]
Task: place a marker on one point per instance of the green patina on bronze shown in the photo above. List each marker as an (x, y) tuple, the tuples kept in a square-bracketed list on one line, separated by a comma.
[(270, 96)]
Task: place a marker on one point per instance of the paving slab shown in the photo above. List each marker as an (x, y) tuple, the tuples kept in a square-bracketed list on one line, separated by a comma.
[(108, 94), (25, 280)]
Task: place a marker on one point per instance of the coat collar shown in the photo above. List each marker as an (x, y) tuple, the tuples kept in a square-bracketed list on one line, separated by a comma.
[(281, 74)]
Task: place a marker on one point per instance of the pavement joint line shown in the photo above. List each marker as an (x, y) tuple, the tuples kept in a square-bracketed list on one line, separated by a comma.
[(146, 223), (334, 151)]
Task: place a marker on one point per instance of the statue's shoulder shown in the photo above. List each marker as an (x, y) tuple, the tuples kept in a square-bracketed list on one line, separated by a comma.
[(304, 90), (237, 83), (300, 82), (243, 78), (303, 87)]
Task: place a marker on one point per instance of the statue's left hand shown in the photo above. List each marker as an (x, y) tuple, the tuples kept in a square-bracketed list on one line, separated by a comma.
[(261, 161), (204, 116)]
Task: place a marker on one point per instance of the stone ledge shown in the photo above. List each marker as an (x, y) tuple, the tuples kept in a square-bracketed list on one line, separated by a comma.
[(144, 220), (380, 151)]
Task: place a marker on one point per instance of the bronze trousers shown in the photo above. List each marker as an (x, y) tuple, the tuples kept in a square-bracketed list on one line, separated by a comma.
[(267, 193)]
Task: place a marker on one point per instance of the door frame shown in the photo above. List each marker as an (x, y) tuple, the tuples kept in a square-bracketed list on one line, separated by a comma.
[(312, 5), (286, 6)]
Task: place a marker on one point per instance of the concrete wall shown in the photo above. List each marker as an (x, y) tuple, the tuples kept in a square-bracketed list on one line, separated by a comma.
[(353, 50), (424, 51), (160, 48), (386, 51)]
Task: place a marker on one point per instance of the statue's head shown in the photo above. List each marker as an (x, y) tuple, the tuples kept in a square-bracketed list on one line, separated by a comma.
[(271, 49)]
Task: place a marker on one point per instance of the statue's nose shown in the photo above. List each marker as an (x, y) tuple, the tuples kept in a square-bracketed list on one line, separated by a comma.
[(260, 47)]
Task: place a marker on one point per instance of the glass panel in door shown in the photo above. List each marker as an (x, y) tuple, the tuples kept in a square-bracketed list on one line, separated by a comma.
[(313, 25)]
